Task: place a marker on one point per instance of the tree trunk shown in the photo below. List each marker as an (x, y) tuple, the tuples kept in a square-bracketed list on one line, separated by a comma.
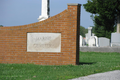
[(118, 24)]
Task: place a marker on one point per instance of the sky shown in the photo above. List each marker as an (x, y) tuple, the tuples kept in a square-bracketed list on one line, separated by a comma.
[(22, 12)]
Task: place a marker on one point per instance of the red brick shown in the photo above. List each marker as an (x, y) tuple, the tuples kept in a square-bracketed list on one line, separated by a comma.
[(13, 40)]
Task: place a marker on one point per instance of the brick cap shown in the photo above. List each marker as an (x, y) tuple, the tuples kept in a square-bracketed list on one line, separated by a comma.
[(73, 4)]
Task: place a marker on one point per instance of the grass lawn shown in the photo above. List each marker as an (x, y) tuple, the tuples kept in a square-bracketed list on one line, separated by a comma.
[(90, 63)]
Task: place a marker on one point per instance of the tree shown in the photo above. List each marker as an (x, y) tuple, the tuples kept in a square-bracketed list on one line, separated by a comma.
[(107, 14), (103, 26), (83, 31), (1, 25)]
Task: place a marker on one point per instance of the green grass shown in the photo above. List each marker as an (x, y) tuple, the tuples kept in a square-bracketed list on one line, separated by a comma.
[(90, 63)]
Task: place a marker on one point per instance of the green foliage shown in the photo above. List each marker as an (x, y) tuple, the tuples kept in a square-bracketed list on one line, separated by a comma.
[(1, 25), (100, 30), (103, 7), (83, 31), (90, 63), (105, 18)]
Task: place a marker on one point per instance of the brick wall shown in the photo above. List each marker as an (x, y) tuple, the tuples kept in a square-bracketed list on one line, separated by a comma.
[(13, 40)]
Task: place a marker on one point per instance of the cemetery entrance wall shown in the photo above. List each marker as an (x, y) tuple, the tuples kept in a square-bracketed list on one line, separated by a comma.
[(14, 41)]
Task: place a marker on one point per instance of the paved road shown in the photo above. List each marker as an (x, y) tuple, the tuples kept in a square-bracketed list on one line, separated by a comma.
[(112, 75)]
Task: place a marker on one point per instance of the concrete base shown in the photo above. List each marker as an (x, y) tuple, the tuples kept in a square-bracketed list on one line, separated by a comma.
[(115, 44), (100, 49)]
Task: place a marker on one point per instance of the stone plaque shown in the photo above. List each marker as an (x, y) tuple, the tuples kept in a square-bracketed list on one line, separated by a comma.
[(115, 37), (115, 40), (104, 42), (43, 42)]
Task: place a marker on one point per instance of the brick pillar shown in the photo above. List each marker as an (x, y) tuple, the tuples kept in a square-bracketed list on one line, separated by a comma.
[(75, 9)]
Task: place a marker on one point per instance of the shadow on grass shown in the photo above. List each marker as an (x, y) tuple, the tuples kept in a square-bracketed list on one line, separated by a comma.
[(86, 63)]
